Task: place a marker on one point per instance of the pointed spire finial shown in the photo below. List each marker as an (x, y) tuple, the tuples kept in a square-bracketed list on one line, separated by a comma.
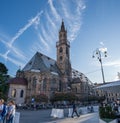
[(62, 26)]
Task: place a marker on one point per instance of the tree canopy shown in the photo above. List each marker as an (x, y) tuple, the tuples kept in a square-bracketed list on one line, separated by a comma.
[(3, 80), (62, 96), (3, 69)]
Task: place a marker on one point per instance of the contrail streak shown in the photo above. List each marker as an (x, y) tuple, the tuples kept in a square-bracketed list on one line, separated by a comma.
[(22, 30), (17, 35)]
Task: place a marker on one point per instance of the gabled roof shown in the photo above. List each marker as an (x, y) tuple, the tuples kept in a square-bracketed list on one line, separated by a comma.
[(41, 63), (18, 81)]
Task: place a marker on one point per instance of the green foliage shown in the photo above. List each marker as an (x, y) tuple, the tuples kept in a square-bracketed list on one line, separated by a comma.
[(3, 79), (61, 96), (41, 98), (3, 69), (106, 112)]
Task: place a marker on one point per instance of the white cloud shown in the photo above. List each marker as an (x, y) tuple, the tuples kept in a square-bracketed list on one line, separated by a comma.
[(51, 21), (113, 63), (16, 52), (53, 9), (46, 46), (9, 44), (35, 47), (22, 30), (5, 56), (65, 10), (16, 62), (81, 5), (37, 23), (101, 43)]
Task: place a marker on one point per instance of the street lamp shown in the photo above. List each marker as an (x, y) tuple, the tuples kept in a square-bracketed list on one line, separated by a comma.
[(97, 54)]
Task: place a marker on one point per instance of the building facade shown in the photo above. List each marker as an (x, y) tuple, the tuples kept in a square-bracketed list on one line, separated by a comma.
[(45, 75), (110, 91)]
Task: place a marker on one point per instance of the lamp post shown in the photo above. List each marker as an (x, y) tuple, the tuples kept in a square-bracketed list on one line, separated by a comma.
[(98, 55)]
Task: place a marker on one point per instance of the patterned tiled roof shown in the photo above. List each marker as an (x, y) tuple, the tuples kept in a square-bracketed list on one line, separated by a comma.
[(40, 62)]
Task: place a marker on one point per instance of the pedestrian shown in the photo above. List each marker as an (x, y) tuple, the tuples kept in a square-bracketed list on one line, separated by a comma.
[(74, 110), (4, 112), (11, 112), (1, 109)]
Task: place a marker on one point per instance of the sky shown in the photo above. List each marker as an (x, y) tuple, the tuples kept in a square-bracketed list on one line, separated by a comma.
[(28, 26)]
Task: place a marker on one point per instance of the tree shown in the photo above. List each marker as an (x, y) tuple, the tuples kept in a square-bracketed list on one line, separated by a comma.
[(3, 69), (3, 79), (41, 98), (62, 96)]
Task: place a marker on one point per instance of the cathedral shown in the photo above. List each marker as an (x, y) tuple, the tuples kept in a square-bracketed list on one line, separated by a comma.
[(44, 75)]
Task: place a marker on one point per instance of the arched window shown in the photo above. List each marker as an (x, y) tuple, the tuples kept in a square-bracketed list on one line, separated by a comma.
[(21, 93), (67, 50), (14, 93), (64, 36), (61, 50), (75, 89), (61, 58), (34, 82), (44, 84)]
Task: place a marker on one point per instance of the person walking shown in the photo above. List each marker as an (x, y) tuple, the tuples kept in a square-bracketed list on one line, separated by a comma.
[(11, 112), (74, 110)]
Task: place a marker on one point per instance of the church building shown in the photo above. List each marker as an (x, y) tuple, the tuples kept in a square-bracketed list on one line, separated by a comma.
[(44, 75)]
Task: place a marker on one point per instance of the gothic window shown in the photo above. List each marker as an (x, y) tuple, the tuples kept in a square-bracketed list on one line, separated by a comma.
[(44, 84), (53, 81), (76, 89), (14, 93), (61, 50), (60, 85), (60, 35), (34, 82), (66, 50), (64, 35), (21, 93), (61, 58)]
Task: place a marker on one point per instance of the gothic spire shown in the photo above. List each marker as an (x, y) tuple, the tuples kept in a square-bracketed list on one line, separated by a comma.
[(62, 26)]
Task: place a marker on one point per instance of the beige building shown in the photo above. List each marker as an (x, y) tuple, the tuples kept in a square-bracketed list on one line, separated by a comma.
[(44, 75), (111, 91)]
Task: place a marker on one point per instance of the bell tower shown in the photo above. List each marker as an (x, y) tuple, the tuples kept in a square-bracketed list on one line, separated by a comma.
[(63, 55)]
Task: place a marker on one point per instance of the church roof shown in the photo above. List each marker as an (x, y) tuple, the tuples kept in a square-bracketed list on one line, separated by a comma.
[(79, 77), (18, 81), (41, 63)]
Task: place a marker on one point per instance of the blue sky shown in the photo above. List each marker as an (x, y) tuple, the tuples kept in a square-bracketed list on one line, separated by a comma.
[(28, 26)]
